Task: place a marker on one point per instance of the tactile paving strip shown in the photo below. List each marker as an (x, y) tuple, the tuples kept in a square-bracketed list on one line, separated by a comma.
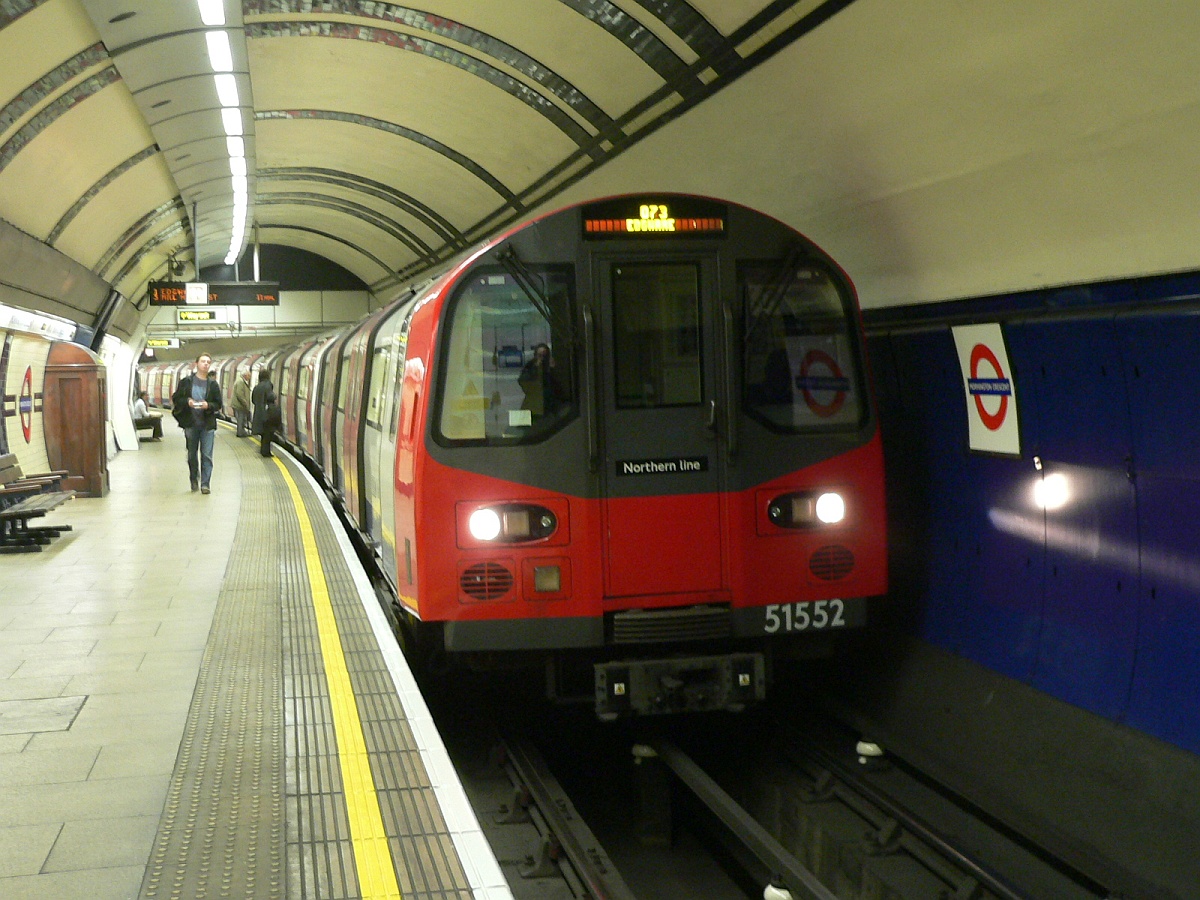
[(221, 832), (259, 745), (423, 851)]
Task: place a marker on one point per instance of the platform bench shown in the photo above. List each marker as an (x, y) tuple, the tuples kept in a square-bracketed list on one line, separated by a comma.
[(23, 498), (11, 475), (153, 424)]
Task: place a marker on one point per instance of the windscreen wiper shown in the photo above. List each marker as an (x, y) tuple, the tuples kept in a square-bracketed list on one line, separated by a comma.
[(772, 296), (528, 283)]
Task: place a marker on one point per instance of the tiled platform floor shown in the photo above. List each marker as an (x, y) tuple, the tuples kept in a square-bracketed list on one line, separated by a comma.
[(101, 637)]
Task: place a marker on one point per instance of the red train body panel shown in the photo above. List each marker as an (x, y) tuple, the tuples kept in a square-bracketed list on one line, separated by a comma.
[(633, 440)]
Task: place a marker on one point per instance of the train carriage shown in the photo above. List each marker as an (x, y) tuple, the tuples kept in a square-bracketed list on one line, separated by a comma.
[(330, 377), (285, 387), (324, 403), (225, 371), (352, 415), (307, 387)]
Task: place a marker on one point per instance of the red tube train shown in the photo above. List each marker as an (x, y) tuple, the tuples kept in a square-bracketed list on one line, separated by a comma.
[(632, 441)]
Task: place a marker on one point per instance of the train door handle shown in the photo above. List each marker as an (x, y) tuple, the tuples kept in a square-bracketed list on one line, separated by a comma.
[(712, 416), (589, 369), (731, 412)]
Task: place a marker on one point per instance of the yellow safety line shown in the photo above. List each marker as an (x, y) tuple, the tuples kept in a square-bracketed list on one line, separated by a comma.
[(372, 856)]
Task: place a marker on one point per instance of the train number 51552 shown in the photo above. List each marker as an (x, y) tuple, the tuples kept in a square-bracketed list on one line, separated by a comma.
[(815, 616)]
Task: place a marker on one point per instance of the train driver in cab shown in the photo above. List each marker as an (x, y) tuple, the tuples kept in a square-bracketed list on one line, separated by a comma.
[(544, 394)]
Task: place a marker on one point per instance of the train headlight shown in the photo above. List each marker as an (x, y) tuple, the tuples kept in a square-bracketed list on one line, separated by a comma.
[(512, 523), (484, 524), (805, 509), (831, 508)]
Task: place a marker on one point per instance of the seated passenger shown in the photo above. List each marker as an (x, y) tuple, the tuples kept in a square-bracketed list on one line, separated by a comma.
[(143, 418)]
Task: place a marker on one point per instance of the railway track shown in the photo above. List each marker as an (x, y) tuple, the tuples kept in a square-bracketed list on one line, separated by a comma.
[(703, 817), (867, 826)]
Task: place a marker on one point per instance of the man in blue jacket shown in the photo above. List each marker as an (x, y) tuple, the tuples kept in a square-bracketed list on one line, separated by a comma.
[(195, 404)]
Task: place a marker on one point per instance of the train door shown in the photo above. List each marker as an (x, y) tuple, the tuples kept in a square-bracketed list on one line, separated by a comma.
[(664, 464)]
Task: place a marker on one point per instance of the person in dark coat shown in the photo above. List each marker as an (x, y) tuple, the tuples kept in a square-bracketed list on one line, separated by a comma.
[(258, 397), (195, 404), (272, 420)]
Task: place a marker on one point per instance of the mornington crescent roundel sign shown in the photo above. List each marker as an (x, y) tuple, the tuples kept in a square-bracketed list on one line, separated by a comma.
[(989, 389)]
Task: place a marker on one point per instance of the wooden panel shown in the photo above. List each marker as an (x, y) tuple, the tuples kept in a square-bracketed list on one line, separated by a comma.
[(75, 404)]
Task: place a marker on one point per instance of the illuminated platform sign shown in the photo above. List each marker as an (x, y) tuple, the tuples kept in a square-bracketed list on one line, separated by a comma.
[(194, 316), (654, 217), (162, 343), (218, 293)]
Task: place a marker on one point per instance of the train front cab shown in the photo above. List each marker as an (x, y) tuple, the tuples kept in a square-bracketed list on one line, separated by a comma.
[(709, 483)]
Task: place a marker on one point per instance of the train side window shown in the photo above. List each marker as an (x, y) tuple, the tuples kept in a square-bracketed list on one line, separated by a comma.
[(801, 360), (344, 380), (379, 369), (329, 383), (401, 359), (508, 374)]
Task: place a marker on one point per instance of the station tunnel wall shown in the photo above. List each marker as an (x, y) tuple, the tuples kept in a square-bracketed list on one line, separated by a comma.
[(1093, 598)]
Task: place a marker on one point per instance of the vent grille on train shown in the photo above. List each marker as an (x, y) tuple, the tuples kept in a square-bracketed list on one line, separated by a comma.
[(831, 562), (486, 581), (694, 623)]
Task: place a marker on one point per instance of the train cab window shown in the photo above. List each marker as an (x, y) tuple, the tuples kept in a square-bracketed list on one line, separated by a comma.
[(509, 371), (801, 365), (656, 334)]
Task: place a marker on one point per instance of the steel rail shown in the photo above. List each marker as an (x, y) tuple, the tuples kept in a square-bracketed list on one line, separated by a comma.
[(799, 880), (590, 861)]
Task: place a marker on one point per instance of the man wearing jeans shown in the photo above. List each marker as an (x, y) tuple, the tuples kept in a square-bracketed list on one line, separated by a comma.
[(195, 405)]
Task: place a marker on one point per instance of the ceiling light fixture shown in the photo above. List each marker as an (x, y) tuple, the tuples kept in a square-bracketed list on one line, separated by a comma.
[(231, 118), (220, 56), (227, 90), (212, 12)]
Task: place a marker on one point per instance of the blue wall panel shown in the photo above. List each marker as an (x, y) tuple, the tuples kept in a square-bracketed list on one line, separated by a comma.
[(1165, 698), (1162, 350), (1163, 354), (1089, 629)]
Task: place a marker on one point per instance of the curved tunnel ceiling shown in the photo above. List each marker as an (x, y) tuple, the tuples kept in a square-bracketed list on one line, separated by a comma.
[(381, 136), (937, 148)]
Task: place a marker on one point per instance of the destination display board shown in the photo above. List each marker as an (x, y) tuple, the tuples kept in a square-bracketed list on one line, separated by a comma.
[(654, 217), (214, 293)]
